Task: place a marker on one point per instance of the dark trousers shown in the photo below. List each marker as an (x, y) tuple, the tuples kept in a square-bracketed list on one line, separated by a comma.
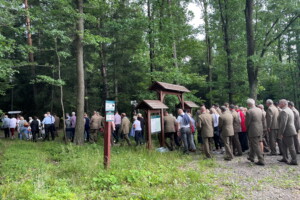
[(116, 133), (138, 137), (217, 138), (177, 140), (199, 137), (143, 136), (49, 128), (87, 130), (243, 137), (6, 132), (34, 134), (72, 134)]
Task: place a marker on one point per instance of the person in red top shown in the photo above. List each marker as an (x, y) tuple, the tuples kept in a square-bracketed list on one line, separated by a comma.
[(243, 135)]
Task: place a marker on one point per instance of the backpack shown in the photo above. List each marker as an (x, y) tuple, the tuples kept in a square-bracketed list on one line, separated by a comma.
[(186, 119)]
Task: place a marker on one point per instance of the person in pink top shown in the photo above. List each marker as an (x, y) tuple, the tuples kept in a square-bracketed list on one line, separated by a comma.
[(243, 135)]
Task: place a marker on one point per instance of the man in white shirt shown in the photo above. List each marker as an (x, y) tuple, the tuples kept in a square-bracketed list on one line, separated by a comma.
[(12, 126)]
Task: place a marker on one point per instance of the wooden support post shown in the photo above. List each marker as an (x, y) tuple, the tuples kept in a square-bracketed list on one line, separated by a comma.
[(162, 139), (107, 144), (149, 142)]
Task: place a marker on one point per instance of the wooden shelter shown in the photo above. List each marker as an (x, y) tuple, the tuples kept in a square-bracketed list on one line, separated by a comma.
[(151, 107), (162, 89), (188, 105)]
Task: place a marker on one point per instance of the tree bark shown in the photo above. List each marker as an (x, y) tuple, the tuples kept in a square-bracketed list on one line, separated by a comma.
[(102, 56), (251, 69), (61, 91), (150, 36), (30, 55), (225, 27), (79, 134), (174, 45), (208, 50)]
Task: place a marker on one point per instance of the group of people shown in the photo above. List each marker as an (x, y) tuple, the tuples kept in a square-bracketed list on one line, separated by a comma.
[(33, 129), (232, 129), (235, 129)]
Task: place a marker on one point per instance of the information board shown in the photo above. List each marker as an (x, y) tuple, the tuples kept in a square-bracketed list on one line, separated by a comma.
[(110, 106), (155, 124)]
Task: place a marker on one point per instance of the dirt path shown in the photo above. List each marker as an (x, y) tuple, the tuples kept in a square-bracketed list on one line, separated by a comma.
[(240, 179)]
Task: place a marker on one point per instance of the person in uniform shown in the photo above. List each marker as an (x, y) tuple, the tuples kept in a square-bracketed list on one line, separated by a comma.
[(206, 127), (272, 126), (95, 124), (227, 131), (237, 129), (170, 130), (297, 125), (265, 138), (125, 129), (254, 123), (287, 132)]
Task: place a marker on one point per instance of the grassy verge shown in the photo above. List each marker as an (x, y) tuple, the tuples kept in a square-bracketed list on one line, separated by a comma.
[(52, 170)]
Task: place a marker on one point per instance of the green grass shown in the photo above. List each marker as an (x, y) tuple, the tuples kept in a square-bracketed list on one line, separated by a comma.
[(52, 170)]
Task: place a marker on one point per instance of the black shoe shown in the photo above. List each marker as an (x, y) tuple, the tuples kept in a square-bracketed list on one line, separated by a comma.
[(292, 163), (250, 159), (282, 160), (271, 154), (239, 155), (260, 163), (228, 159)]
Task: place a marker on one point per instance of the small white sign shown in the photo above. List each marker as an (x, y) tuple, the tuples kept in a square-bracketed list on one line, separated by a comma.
[(110, 106), (110, 117)]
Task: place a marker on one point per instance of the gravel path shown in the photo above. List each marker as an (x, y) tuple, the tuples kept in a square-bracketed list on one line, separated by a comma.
[(241, 179)]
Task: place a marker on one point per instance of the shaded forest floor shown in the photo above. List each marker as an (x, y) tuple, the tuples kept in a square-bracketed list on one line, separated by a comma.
[(52, 170)]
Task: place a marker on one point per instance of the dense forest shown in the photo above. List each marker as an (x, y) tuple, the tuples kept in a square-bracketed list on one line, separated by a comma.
[(87, 51)]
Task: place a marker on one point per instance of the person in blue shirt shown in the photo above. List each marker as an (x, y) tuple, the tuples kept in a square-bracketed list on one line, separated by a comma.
[(5, 126), (48, 123)]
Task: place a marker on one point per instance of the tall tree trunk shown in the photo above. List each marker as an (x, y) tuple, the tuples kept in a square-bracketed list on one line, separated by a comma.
[(102, 56), (30, 55), (297, 32), (61, 91), (116, 85), (174, 45), (293, 71), (79, 135), (150, 36), (251, 69), (208, 50), (225, 27)]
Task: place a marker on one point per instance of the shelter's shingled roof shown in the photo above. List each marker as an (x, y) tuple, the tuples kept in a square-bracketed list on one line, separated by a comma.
[(191, 104), (168, 86), (151, 104)]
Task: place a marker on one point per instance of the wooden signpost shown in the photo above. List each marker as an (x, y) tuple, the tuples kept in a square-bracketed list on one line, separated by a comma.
[(109, 118)]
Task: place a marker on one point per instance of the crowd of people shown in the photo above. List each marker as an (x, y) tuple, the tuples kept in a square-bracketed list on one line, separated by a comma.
[(235, 130), (33, 129), (229, 129)]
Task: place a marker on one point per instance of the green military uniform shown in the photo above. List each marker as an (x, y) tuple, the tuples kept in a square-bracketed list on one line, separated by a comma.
[(226, 127)]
